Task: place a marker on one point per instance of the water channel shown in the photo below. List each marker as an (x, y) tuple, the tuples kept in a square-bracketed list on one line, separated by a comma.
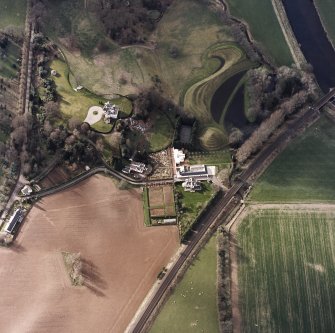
[(313, 40)]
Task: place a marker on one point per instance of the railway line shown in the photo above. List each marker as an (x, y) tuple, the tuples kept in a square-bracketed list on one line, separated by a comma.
[(211, 219)]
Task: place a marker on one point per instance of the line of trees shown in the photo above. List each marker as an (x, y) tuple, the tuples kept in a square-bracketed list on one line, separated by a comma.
[(224, 287), (273, 97)]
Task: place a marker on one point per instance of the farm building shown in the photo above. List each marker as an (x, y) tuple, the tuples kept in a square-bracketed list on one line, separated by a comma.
[(198, 172), (191, 185), (15, 220), (27, 190), (111, 112), (137, 167), (184, 172)]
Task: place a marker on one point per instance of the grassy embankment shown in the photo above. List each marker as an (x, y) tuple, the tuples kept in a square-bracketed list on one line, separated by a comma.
[(326, 10), (192, 306), (12, 13), (286, 270), (264, 27), (76, 103), (304, 171)]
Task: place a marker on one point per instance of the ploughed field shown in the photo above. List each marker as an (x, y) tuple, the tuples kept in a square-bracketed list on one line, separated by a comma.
[(121, 258), (286, 271)]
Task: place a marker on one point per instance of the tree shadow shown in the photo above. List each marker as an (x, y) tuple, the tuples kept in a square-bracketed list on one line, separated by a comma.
[(92, 277), (18, 248)]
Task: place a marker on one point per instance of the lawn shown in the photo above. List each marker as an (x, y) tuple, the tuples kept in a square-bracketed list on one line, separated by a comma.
[(192, 204), (220, 158), (286, 271), (264, 27), (161, 134), (12, 12), (8, 64), (304, 171), (326, 10), (77, 103), (193, 305)]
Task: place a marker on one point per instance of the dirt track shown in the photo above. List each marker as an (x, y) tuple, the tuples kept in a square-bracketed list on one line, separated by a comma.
[(121, 260)]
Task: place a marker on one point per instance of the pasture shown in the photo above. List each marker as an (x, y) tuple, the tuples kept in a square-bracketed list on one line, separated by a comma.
[(121, 260), (326, 9), (264, 26), (286, 271), (304, 171), (192, 307)]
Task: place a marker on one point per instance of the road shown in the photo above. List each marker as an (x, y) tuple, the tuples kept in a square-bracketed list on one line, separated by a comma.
[(211, 218), (93, 171)]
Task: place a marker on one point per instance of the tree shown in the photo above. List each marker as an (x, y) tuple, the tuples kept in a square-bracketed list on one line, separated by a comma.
[(74, 123)]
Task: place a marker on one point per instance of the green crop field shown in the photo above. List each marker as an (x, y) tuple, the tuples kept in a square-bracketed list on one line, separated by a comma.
[(326, 10), (304, 171), (193, 305), (286, 271), (264, 27), (12, 13)]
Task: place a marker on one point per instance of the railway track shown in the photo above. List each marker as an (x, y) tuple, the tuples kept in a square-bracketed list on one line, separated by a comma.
[(210, 219)]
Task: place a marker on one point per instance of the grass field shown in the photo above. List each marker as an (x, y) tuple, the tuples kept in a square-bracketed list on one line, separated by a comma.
[(161, 134), (286, 271), (8, 65), (304, 171), (12, 12), (326, 10), (264, 27), (193, 306), (77, 103)]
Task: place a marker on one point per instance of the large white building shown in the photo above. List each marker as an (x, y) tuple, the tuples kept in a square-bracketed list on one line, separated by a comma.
[(197, 172), (111, 112)]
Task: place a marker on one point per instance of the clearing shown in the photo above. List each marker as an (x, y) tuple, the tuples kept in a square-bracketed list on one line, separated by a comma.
[(193, 305), (304, 171), (121, 259), (286, 269)]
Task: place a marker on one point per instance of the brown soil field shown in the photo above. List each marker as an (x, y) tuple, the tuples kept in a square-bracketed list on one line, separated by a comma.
[(170, 211), (57, 176), (121, 260), (168, 195), (156, 198), (157, 212)]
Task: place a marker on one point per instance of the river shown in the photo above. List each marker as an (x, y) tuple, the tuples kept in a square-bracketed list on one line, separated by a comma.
[(313, 40)]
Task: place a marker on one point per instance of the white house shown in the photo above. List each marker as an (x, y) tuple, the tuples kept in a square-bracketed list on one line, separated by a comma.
[(111, 112)]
